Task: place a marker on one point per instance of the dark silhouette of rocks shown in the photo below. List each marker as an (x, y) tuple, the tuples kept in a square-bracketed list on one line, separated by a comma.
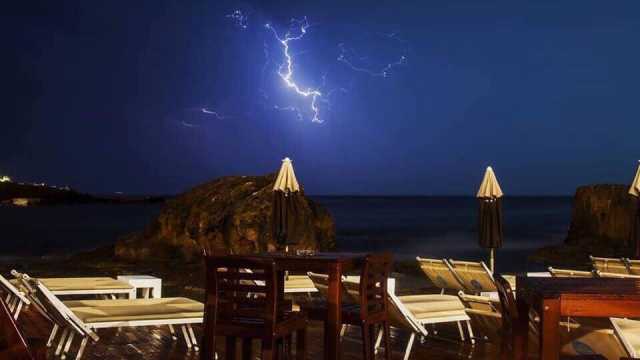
[(227, 215), (600, 226), (25, 194)]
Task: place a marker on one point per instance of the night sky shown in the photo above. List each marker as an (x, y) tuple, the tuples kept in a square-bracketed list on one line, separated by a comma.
[(108, 96)]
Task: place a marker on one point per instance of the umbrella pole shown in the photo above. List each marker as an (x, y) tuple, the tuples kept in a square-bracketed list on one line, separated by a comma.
[(492, 259)]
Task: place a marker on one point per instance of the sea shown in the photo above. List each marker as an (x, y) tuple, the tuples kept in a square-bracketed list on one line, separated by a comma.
[(439, 227)]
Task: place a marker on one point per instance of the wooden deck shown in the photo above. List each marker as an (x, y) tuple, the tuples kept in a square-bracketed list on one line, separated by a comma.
[(156, 343)]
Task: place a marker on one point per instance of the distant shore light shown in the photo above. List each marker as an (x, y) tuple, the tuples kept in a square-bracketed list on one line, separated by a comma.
[(5, 179)]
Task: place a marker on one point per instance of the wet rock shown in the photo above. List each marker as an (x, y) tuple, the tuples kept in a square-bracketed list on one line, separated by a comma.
[(226, 215)]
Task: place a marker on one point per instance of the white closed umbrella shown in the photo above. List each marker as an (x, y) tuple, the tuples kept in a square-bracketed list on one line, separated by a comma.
[(286, 210), (286, 180), (490, 215)]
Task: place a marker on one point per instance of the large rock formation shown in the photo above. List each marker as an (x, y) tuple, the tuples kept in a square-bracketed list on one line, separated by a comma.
[(600, 226), (227, 215), (601, 214)]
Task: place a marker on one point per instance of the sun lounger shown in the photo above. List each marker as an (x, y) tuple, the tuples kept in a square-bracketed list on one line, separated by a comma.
[(609, 265), (88, 286), (414, 312), (485, 314), (615, 275), (440, 273), (571, 273), (633, 266), (628, 331), (13, 297), (475, 276), (84, 317), (298, 284)]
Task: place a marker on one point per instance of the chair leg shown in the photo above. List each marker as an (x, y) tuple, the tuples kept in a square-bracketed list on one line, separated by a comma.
[(230, 347), (301, 344), (63, 337), (68, 345), (460, 330), (407, 350), (209, 339), (173, 332), (54, 331), (16, 312), (246, 349), (83, 344), (186, 336), (387, 340), (194, 342), (376, 347), (366, 342), (470, 330), (268, 348)]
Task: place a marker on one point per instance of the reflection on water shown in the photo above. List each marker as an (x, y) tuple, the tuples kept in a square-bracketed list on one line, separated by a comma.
[(407, 226)]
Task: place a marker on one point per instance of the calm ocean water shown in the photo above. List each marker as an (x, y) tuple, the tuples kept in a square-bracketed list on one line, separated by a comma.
[(407, 226)]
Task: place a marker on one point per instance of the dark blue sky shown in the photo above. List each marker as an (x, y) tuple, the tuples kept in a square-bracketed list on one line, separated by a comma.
[(106, 96)]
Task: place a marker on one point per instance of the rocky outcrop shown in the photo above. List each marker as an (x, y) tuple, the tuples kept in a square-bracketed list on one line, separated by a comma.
[(600, 226), (227, 215), (601, 213)]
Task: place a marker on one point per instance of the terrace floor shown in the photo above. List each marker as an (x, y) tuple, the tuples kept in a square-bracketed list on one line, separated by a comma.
[(156, 343)]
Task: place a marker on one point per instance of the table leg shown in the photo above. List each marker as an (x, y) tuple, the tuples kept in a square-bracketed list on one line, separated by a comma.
[(520, 336), (549, 329), (334, 313)]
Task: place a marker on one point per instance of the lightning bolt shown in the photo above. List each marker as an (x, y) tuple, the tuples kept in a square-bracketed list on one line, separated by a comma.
[(239, 18), (285, 71), (385, 70), (212, 112)]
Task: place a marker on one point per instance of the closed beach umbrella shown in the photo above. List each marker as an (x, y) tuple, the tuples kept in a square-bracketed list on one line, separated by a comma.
[(634, 191), (285, 205), (490, 214)]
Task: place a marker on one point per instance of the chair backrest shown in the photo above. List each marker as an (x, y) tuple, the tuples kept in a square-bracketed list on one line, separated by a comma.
[(475, 276), (440, 274), (29, 287), (12, 294), (373, 285), (571, 273), (508, 305), (241, 288), (59, 312), (13, 344), (609, 265)]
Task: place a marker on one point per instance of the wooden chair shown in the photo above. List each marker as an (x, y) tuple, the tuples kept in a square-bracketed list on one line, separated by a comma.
[(13, 344), (369, 308), (244, 304)]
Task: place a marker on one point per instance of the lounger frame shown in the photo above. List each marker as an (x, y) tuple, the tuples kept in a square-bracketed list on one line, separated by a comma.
[(86, 330)]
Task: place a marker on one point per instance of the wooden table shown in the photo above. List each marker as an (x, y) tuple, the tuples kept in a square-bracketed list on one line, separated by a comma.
[(553, 298), (335, 265)]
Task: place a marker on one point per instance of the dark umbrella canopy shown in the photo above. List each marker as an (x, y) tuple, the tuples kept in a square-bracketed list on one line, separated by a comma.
[(490, 223), (285, 205), (490, 214), (285, 208)]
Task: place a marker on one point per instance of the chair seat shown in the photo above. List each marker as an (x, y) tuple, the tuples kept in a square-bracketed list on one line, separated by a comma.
[(99, 311)]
